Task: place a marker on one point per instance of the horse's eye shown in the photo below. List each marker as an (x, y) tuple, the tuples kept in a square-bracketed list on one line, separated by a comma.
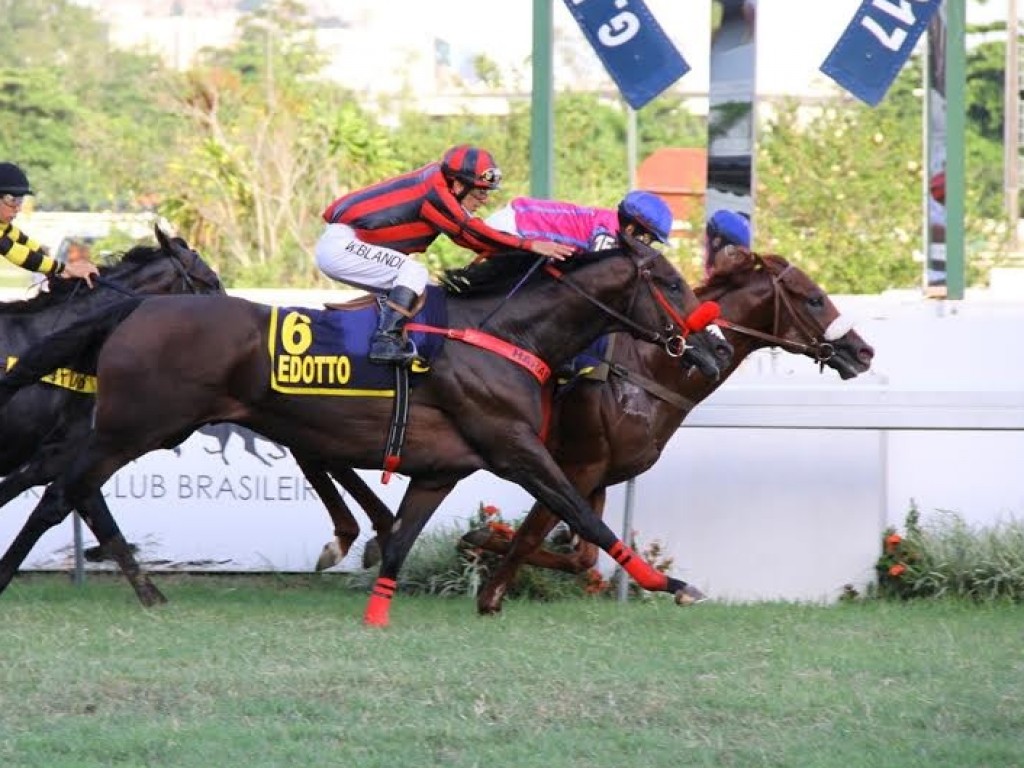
[(816, 302)]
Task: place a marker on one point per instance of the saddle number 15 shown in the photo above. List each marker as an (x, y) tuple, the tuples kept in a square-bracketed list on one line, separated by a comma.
[(296, 333), (902, 11)]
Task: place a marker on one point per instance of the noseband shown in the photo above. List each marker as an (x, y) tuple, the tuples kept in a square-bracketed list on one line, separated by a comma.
[(817, 348)]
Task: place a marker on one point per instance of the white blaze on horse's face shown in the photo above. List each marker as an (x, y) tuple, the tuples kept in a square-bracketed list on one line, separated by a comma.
[(715, 331), (838, 328)]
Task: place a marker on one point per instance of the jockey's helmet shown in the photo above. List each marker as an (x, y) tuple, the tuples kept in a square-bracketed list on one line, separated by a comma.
[(13, 180), (732, 227), (648, 212), (472, 166)]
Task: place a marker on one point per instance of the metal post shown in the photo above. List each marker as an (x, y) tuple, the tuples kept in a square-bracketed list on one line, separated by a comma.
[(1011, 125), (542, 117), (622, 581), (78, 577), (956, 105)]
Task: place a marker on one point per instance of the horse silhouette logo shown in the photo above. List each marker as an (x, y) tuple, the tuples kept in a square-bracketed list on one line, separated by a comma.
[(222, 433)]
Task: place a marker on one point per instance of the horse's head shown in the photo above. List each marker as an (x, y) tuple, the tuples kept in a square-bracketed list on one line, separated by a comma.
[(663, 300), (708, 351), (767, 298), (171, 266)]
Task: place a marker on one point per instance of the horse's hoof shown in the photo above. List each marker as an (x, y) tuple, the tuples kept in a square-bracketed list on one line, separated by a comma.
[(690, 595), (371, 553), (488, 610), (150, 596), (330, 556), (476, 537)]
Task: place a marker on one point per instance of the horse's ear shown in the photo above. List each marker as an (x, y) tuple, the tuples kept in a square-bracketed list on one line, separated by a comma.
[(162, 237), (732, 259)]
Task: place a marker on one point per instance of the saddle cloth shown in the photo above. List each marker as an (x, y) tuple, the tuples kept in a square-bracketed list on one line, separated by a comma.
[(323, 351)]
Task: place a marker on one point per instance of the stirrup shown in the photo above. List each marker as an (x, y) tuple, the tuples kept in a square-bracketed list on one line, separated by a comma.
[(389, 349)]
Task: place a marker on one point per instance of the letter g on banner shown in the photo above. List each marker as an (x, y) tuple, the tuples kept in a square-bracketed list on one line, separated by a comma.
[(876, 45), (633, 47)]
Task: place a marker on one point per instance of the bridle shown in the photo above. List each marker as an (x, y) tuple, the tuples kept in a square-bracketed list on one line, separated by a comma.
[(673, 343), (193, 283), (815, 347)]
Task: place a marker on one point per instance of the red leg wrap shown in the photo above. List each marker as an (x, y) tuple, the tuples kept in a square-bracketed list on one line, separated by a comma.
[(379, 604), (642, 572)]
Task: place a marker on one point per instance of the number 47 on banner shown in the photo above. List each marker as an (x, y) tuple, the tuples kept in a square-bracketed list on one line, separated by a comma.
[(876, 45)]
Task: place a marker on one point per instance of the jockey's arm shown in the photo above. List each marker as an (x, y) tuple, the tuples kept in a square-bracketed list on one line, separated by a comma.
[(474, 233)]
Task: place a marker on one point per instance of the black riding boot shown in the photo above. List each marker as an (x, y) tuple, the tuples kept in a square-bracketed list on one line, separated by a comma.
[(389, 346)]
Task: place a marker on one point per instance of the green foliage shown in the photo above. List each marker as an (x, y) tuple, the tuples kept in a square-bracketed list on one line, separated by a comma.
[(84, 119), (949, 558), (841, 194), (245, 151)]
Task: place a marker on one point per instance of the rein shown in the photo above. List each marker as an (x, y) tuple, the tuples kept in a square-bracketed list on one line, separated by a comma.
[(648, 335), (819, 350)]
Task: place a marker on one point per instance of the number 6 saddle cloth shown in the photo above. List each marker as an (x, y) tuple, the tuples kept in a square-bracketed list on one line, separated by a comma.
[(324, 351)]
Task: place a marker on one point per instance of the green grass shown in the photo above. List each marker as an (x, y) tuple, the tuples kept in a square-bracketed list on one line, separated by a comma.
[(278, 671)]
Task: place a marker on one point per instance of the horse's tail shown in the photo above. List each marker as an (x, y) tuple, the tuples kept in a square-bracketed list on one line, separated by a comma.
[(75, 346)]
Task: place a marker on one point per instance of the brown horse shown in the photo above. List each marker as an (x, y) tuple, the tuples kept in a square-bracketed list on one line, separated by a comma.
[(176, 363), (613, 426), (608, 433)]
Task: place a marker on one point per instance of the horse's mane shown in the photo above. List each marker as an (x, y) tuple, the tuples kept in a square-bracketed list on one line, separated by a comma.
[(502, 271), (61, 291), (740, 261)]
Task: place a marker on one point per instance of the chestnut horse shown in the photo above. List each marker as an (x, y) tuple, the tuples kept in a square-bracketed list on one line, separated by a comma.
[(176, 363), (765, 301)]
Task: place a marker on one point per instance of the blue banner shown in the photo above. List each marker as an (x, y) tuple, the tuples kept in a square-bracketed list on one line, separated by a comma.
[(631, 44), (877, 44)]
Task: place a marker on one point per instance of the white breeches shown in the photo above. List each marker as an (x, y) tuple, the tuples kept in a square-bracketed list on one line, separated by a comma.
[(342, 256)]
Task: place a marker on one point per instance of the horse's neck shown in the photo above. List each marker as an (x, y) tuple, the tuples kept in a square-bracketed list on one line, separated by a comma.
[(550, 320), (38, 320), (737, 307), (651, 361)]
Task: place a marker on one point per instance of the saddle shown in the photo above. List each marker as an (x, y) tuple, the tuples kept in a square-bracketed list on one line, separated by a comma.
[(368, 299)]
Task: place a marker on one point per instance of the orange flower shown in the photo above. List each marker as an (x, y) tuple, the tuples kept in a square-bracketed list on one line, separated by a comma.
[(897, 570), (490, 510), (503, 530), (892, 541)]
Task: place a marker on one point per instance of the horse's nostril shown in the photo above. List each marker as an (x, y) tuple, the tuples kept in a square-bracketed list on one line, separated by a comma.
[(866, 354)]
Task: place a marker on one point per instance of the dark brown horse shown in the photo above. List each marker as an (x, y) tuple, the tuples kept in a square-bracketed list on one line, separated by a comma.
[(176, 363), (608, 433)]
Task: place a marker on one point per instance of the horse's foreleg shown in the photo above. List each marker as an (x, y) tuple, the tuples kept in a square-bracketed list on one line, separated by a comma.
[(25, 477), (535, 470), (526, 548), (97, 516), (417, 506), (50, 511), (48, 461)]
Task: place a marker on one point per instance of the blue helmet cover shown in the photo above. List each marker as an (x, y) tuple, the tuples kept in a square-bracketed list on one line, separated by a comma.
[(648, 210), (732, 226)]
